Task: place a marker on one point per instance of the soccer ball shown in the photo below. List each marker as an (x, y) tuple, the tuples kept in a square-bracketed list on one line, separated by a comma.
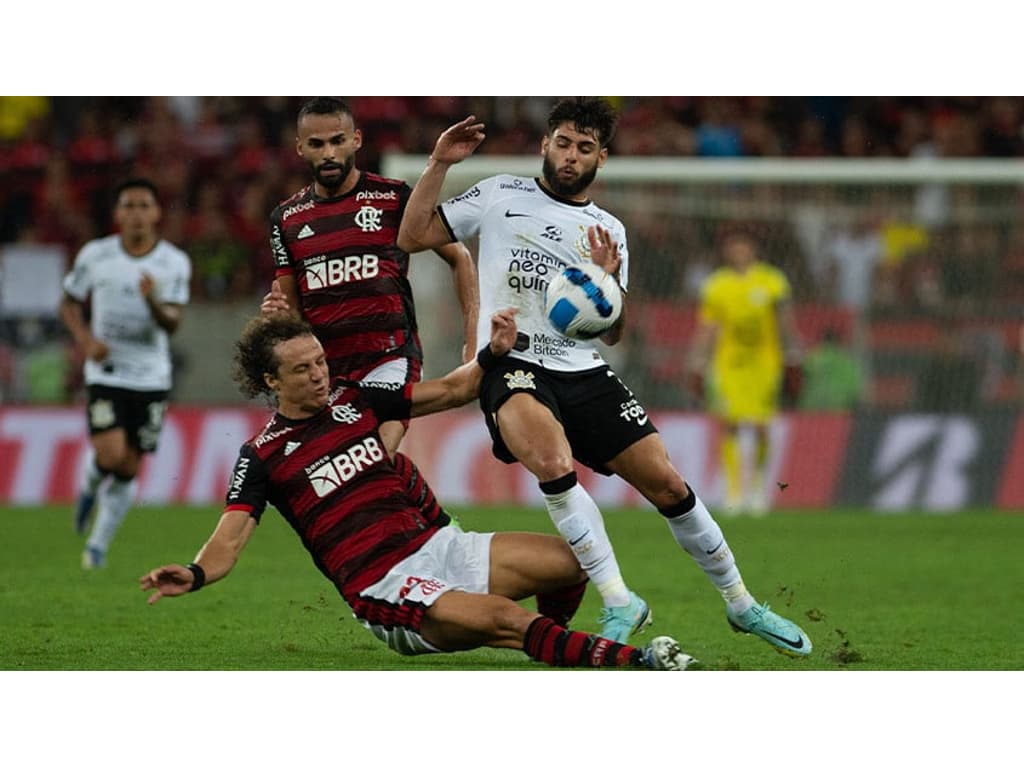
[(583, 301)]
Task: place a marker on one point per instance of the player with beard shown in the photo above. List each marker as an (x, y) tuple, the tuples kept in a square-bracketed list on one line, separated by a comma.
[(554, 399), (417, 583), (339, 267)]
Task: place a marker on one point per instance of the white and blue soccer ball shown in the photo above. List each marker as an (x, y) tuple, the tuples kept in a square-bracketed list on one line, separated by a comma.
[(583, 301)]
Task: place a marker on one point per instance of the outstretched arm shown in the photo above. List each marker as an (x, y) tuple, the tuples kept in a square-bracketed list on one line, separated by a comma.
[(217, 557), (421, 228), (466, 289), (463, 384)]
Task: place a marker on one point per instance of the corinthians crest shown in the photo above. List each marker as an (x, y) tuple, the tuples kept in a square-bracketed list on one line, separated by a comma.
[(520, 380)]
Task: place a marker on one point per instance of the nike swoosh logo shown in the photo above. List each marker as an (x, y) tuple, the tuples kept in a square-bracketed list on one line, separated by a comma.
[(510, 215), (715, 548), (796, 645), (577, 541)]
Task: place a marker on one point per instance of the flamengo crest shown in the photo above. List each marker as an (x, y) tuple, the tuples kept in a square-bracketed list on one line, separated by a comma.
[(368, 218)]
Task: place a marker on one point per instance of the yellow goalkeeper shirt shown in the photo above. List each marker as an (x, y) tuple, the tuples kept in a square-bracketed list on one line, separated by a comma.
[(742, 305)]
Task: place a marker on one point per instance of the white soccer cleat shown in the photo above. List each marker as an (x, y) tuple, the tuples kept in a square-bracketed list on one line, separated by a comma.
[(93, 558), (665, 655)]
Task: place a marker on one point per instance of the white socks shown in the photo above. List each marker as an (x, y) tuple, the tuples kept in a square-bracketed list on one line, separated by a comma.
[(578, 519), (112, 504), (93, 476), (698, 533)]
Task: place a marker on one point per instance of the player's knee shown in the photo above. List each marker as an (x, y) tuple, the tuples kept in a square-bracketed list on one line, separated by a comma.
[(564, 565), (668, 489), (551, 467), (115, 462)]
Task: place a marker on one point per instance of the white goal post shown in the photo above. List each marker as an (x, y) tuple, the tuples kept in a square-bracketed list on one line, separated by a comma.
[(764, 170)]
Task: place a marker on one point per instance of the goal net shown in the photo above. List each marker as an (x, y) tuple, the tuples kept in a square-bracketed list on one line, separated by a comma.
[(913, 270)]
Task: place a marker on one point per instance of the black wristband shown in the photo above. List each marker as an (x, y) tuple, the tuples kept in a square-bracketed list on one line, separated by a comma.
[(487, 359), (198, 576)]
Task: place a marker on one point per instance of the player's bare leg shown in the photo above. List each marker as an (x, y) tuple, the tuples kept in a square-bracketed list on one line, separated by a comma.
[(537, 440), (117, 458)]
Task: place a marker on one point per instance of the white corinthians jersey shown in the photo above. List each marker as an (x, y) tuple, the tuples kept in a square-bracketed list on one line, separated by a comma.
[(139, 356), (527, 236)]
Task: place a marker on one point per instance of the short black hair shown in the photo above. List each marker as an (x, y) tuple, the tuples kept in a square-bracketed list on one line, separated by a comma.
[(325, 105), (136, 182), (586, 113), (254, 350)]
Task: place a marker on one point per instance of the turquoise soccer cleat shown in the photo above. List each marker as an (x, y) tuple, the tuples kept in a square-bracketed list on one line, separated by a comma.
[(622, 621), (782, 634)]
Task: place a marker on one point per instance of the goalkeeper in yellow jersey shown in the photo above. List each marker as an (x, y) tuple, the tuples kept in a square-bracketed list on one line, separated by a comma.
[(747, 333)]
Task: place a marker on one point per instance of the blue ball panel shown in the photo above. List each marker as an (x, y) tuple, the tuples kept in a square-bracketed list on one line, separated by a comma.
[(562, 313)]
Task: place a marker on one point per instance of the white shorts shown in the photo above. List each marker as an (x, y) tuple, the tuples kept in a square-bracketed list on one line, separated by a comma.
[(392, 372), (452, 559)]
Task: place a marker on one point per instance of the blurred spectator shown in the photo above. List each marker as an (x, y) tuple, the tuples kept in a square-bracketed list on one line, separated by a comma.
[(856, 141), (222, 264), (852, 254), (810, 141), (59, 208), (210, 141), (250, 159), (833, 377), (249, 225), (17, 112), (650, 128), (92, 158), (718, 134), (1001, 135), (45, 364)]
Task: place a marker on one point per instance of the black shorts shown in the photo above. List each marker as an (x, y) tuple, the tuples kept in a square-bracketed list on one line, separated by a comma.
[(599, 414), (139, 414)]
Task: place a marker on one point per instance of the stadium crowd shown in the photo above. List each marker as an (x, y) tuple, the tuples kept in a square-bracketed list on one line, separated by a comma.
[(222, 163)]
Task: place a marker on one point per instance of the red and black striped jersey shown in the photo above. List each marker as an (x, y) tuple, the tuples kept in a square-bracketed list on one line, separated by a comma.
[(331, 479), (352, 278)]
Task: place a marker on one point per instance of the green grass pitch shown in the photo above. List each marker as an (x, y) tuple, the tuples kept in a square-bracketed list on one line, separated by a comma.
[(874, 592)]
